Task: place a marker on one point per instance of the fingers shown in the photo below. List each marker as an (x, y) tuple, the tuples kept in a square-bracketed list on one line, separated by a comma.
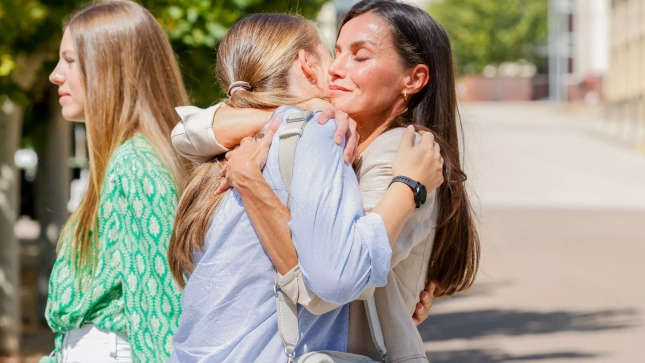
[(430, 290), (223, 186), (427, 138), (426, 301), (350, 147), (342, 127), (420, 314), (272, 128), (437, 150), (430, 137), (270, 132), (407, 138), (325, 116), (352, 142), (265, 144), (342, 121), (422, 309)]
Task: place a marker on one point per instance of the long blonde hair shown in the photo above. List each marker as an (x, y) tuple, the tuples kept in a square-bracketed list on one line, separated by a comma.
[(260, 50), (132, 83)]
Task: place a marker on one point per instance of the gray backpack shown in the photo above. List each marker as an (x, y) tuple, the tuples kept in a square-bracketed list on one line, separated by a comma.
[(287, 310)]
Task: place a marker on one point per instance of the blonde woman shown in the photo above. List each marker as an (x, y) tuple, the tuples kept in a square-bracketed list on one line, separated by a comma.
[(229, 311), (111, 294)]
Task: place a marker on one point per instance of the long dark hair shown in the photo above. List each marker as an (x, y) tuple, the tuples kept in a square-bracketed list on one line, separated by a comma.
[(419, 39)]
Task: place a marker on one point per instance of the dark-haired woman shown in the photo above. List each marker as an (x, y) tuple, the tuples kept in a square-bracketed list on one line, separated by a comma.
[(393, 68)]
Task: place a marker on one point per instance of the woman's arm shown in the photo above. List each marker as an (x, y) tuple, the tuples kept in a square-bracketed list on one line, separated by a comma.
[(203, 134), (257, 197), (244, 174), (231, 125), (245, 164), (145, 199)]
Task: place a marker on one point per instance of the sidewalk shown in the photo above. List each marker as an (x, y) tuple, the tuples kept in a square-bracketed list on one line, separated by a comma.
[(562, 215)]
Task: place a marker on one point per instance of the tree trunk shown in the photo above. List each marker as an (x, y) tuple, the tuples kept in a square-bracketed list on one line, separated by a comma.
[(52, 192), (10, 135)]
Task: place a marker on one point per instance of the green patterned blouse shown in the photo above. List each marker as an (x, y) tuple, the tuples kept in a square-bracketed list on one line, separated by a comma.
[(133, 290)]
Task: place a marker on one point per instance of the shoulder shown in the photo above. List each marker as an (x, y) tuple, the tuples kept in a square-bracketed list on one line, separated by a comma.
[(311, 131), (136, 155), (136, 161), (384, 148)]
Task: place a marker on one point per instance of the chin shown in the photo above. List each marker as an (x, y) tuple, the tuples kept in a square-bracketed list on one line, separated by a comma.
[(339, 101), (344, 106), (73, 115)]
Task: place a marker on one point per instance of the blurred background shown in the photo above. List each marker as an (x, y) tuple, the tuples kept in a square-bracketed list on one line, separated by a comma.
[(553, 108)]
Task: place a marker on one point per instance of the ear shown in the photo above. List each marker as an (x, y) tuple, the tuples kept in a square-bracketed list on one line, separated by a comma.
[(417, 78), (305, 65)]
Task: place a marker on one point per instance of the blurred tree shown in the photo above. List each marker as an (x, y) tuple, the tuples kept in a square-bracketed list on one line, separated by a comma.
[(29, 41), (484, 32), (9, 294), (195, 26)]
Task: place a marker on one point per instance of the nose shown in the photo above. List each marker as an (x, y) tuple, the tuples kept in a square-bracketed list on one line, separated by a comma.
[(57, 77), (336, 68)]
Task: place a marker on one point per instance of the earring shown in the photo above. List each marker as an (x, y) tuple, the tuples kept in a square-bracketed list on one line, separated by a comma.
[(405, 94)]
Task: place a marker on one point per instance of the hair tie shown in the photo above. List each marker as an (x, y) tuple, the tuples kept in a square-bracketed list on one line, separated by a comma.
[(237, 85)]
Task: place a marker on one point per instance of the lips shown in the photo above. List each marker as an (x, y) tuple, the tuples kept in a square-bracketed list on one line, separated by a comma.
[(337, 89), (62, 95)]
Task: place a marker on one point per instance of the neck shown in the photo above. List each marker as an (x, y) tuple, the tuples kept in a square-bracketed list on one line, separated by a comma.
[(300, 85), (372, 126)]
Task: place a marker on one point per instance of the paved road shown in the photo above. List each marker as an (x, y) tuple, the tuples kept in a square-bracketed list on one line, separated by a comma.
[(562, 218)]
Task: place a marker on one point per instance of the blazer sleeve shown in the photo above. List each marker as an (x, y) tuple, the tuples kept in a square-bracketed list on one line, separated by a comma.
[(193, 137)]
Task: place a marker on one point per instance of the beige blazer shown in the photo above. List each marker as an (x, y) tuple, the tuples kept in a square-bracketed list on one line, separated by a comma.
[(395, 302)]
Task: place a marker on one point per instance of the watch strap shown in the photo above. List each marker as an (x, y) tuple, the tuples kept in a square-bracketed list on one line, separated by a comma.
[(413, 184)]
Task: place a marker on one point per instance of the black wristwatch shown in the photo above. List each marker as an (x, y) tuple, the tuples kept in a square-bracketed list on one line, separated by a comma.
[(419, 190)]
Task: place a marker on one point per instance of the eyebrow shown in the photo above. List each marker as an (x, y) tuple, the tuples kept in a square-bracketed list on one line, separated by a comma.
[(67, 52), (359, 43)]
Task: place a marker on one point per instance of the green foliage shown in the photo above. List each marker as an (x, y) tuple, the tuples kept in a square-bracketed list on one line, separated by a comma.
[(31, 32), (195, 26), (487, 32)]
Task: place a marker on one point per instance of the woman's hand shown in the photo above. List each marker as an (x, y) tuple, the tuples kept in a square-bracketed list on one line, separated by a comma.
[(346, 127), (424, 305), (422, 162), (247, 161)]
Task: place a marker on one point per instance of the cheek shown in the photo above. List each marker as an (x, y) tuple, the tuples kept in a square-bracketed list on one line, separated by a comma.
[(78, 94), (375, 85), (76, 89), (76, 109)]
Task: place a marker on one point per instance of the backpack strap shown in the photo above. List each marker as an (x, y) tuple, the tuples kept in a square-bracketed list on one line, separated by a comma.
[(375, 327), (287, 311), (289, 137)]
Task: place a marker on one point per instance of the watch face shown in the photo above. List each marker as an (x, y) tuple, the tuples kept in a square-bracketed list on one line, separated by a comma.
[(422, 194)]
